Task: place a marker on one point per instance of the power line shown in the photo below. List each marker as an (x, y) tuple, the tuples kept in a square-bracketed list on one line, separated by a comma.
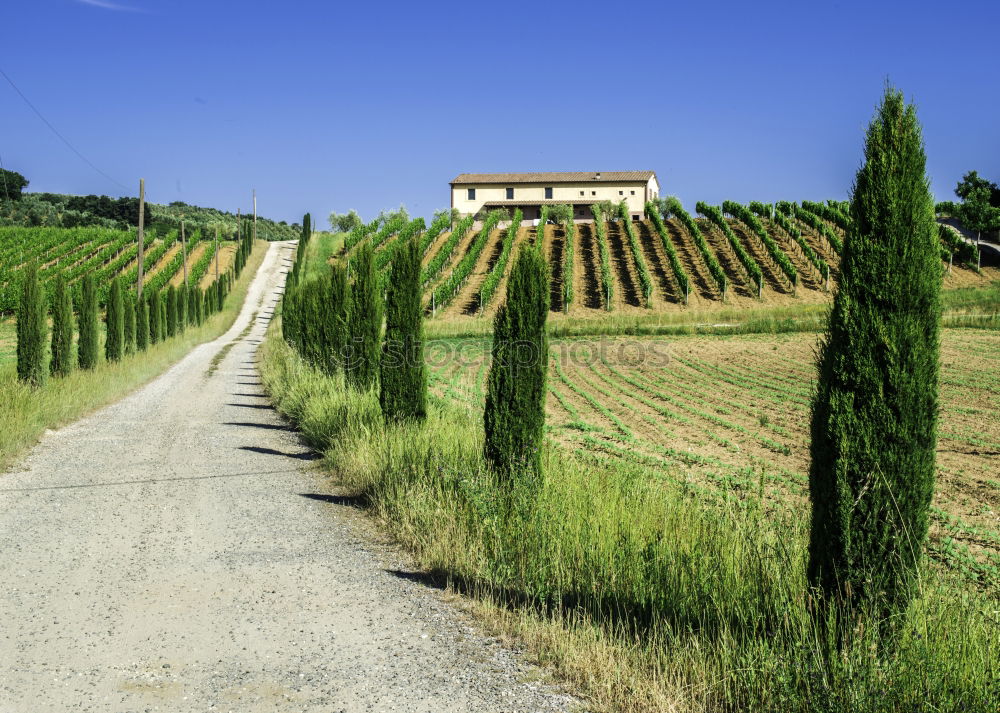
[(56, 132)]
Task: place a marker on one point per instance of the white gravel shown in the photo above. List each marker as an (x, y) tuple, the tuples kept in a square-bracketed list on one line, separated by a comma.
[(163, 555)]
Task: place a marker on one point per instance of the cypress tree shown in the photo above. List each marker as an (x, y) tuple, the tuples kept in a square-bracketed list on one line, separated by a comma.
[(31, 328), (220, 295), (163, 318), (171, 311), (874, 416), (154, 317), (366, 322), (403, 375), (141, 324), (514, 417), (181, 309), (89, 335), (114, 344), (129, 322), (339, 311), (63, 357)]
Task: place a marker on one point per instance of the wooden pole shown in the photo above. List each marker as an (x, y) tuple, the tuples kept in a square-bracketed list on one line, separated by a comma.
[(216, 253), (255, 215), (184, 254), (142, 237)]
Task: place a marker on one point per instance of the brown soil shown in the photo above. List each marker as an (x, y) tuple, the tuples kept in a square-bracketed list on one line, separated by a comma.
[(809, 276), (161, 263), (623, 268), (704, 290), (193, 256), (665, 286), (435, 245), (553, 246), (774, 278), (466, 302), (586, 272), (227, 252), (739, 285)]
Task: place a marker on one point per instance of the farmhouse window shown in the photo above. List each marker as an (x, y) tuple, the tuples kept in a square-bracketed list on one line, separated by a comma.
[(510, 194), (633, 193), (548, 193), (581, 193), (472, 194), (593, 193), (621, 193)]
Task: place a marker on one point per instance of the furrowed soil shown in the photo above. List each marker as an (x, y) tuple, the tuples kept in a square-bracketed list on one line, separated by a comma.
[(729, 417)]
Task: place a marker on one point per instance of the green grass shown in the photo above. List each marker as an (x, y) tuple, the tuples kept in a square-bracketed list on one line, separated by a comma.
[(26, 413), (974, 307), (322, 247), (8, 342), (642, 591)]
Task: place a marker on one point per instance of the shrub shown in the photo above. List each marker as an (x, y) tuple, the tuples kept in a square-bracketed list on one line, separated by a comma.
[(130, 322), (141, 324), (155, 325), (114, 344), (403, 374), (339, 309), (31, 329), (366, 322), (171, 311), (88, 324), (514, 417), (63, 355), (874, 416)]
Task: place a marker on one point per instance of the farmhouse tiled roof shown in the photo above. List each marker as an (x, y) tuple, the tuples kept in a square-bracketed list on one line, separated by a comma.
[(563, 177)]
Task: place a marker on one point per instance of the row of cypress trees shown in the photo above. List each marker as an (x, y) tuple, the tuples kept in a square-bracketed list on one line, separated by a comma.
[(131, 324), (336, 323)]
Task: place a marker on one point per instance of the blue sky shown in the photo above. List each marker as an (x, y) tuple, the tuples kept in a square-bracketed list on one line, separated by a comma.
[(327, 106)]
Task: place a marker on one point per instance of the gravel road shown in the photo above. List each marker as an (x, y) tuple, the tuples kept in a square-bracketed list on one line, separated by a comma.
[(177, 551)]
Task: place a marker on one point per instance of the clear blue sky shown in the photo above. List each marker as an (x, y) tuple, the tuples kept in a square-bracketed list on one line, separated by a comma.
[(327, 106)]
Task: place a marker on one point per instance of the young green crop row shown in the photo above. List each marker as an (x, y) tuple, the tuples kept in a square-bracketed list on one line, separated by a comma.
[(447, 290), (387, 252), (674, 207), (438, 226), (668, 246), (744, 215), (443, 256), (492, 281), (645, 281), (813, 221), (746, 259), (601, 238), (782, 221)]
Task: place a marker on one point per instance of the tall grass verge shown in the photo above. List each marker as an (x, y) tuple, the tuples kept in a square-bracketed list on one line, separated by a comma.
[(642, 593), (26, 413)]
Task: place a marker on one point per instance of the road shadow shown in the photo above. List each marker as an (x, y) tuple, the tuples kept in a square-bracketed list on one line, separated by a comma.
[(257, 396), (351, 501), (268, 426), (304, 455), (267, 407)]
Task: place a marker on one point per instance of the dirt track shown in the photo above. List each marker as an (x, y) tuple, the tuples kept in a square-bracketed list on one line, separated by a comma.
[(176, 552)]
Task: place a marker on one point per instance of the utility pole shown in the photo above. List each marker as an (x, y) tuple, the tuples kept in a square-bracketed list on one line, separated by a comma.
[(184, 257), (142, 215), (255, 215), (216, 253)]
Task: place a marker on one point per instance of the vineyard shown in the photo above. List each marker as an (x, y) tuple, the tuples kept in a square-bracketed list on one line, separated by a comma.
[(72, 253), (727, 418), (731, 255)]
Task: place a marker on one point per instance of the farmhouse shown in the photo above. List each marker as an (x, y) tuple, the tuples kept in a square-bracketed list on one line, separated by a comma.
[(473, 193)]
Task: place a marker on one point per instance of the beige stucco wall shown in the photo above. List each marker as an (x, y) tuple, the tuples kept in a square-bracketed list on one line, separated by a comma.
[(635, 194)]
